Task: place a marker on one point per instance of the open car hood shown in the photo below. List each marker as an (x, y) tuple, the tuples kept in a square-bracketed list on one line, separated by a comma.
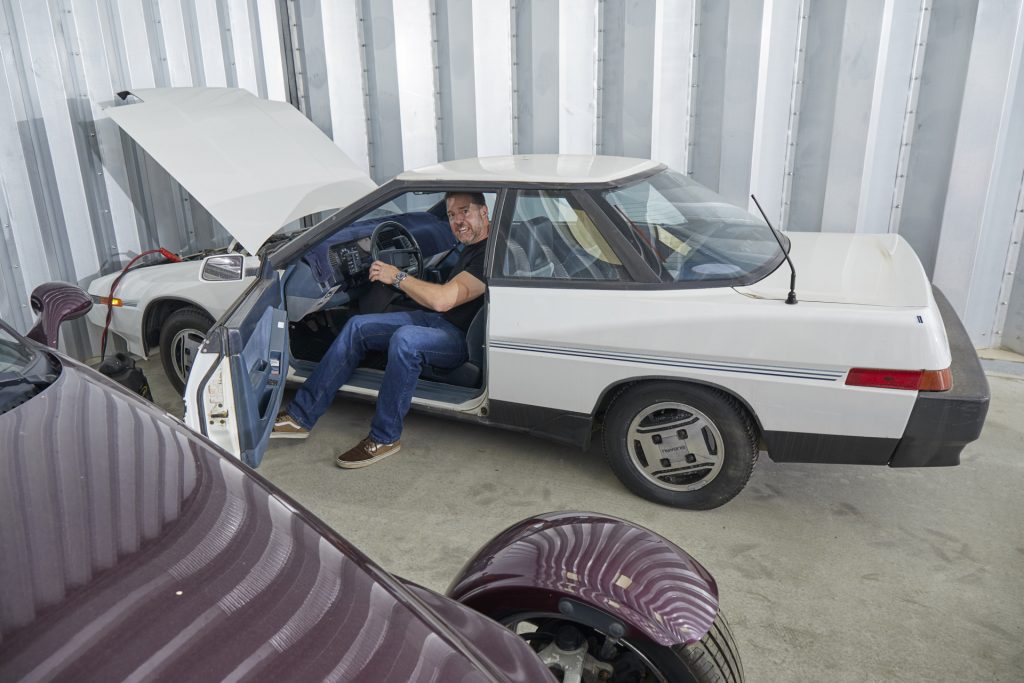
[(255, 165), (871, 270)]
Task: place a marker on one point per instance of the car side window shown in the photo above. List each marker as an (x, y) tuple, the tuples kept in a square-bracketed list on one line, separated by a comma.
[(552, 237)]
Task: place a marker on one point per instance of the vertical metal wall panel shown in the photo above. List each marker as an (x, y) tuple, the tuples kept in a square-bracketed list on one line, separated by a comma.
[(492, 72), (856, 80), (61, 158), (709, 92), (32, 256), (943, 78), (382, 82), (271, 61), (346, 88), (137, 51), (986, 172), (456, 83), (414, 61), (671, 93), (628, 86), (537, 76), (243, 57), (171, 20), (577, 76), (890, 113), (311, 63), (742, 53), (867, 116), (1013, 327), (777, 68), (213, 69), (817, 115)]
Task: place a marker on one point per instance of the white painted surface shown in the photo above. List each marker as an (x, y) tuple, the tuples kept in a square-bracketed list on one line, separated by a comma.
[(534, 168), (577, 76), (492, 69), (748, 342), (673, 56), (415, 61), (255, 165), (347, 89)]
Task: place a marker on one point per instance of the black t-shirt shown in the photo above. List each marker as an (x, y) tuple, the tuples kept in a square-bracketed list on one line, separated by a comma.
[(471, 260)]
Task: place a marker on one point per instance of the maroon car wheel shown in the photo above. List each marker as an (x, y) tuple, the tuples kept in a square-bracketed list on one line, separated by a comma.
[(574, 651)]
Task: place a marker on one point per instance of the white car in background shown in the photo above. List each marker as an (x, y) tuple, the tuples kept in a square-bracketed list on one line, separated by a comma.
[(623, 299)]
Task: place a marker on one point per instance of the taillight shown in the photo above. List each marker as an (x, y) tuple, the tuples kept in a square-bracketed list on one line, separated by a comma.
[(913, 380)]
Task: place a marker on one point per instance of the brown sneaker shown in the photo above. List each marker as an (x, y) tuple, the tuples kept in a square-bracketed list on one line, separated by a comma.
[(366, 452), (285, 427)]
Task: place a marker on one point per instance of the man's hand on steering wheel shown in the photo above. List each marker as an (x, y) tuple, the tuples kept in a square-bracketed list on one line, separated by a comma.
[(383, 272)]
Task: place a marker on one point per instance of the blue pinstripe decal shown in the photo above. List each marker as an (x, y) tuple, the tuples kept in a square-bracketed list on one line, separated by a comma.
[(740, 368)]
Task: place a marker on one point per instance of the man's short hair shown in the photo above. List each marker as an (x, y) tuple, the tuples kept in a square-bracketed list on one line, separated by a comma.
[(474, 197)]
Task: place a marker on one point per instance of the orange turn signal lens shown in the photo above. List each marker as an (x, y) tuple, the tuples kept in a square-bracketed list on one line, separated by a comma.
[(911, 380), (109, 301)]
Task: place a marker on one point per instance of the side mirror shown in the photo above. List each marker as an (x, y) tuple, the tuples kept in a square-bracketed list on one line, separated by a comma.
[(56, 302), (223, 267)]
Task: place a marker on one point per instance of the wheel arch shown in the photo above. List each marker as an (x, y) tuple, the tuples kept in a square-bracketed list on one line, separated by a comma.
[(616, 389), (157, 312), (583, 565)]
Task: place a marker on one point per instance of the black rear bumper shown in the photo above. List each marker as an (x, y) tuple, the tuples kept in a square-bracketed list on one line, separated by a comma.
[(943, 422)]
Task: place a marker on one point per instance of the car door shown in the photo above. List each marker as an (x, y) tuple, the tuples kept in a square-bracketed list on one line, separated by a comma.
[(237, 381), (555, 278)]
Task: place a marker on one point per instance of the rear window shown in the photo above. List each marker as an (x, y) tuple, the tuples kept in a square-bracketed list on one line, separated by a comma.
[(687, 233)]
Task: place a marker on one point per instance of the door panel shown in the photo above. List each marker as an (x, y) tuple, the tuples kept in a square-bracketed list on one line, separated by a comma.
[(251, 348)]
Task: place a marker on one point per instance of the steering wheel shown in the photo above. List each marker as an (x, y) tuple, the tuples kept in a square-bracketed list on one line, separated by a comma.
[(391, 242)]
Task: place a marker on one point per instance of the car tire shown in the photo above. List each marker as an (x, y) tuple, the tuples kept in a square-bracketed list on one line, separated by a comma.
[(703, 439), (180, 337), (712, 659)]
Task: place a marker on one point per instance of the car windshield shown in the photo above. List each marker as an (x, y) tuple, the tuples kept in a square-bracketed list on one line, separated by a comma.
[(688, 233), (24, 372)]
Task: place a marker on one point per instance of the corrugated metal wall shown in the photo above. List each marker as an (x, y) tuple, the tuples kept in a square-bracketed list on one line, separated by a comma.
[(841, 115)]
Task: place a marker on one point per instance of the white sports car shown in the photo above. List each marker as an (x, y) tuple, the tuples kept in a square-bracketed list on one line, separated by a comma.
[(621, 296)]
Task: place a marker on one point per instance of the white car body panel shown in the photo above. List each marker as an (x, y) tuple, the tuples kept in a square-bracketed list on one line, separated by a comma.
[(255, 165), (178, 281), (218, 397), (871, 270), (534, 168), (787, 363)]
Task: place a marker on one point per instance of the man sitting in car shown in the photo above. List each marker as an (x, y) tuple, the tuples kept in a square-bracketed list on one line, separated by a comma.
[(434, 334)]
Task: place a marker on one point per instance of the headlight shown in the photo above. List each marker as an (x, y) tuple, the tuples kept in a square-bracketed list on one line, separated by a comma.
[(220, 268)]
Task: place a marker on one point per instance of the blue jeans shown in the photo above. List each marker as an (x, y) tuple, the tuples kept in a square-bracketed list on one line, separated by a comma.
[(411, 339)]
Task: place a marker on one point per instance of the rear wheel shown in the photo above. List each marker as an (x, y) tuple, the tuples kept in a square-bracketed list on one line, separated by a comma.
[(680, 444), (181, 335), (577, 652)]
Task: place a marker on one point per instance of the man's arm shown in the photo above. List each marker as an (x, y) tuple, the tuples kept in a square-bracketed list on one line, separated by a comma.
[(457, 291)]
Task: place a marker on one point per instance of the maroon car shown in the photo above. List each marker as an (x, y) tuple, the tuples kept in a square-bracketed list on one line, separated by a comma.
[(132, 548)]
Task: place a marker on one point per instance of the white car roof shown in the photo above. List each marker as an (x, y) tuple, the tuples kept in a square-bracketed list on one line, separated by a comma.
[(533, 168), (254, 164)]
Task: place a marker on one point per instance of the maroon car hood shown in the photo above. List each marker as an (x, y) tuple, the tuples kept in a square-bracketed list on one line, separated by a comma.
[(130, 547)]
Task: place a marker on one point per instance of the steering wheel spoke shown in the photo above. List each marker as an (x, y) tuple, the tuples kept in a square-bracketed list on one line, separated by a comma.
[(391, 239)]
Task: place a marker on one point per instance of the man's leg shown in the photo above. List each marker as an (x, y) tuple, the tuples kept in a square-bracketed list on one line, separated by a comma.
[(437, 342), (360, 334)]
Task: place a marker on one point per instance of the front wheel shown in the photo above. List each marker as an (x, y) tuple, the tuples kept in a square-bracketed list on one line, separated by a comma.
[(181, 335), (577, 652), (677, 444)]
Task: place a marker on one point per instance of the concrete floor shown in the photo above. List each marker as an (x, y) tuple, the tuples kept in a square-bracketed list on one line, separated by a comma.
[(826, 573)]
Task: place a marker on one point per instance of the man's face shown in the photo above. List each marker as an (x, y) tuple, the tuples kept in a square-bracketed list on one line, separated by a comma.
[(468, 220)]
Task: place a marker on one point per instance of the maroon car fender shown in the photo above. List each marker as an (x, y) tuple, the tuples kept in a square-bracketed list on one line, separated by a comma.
[(598, 570)]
